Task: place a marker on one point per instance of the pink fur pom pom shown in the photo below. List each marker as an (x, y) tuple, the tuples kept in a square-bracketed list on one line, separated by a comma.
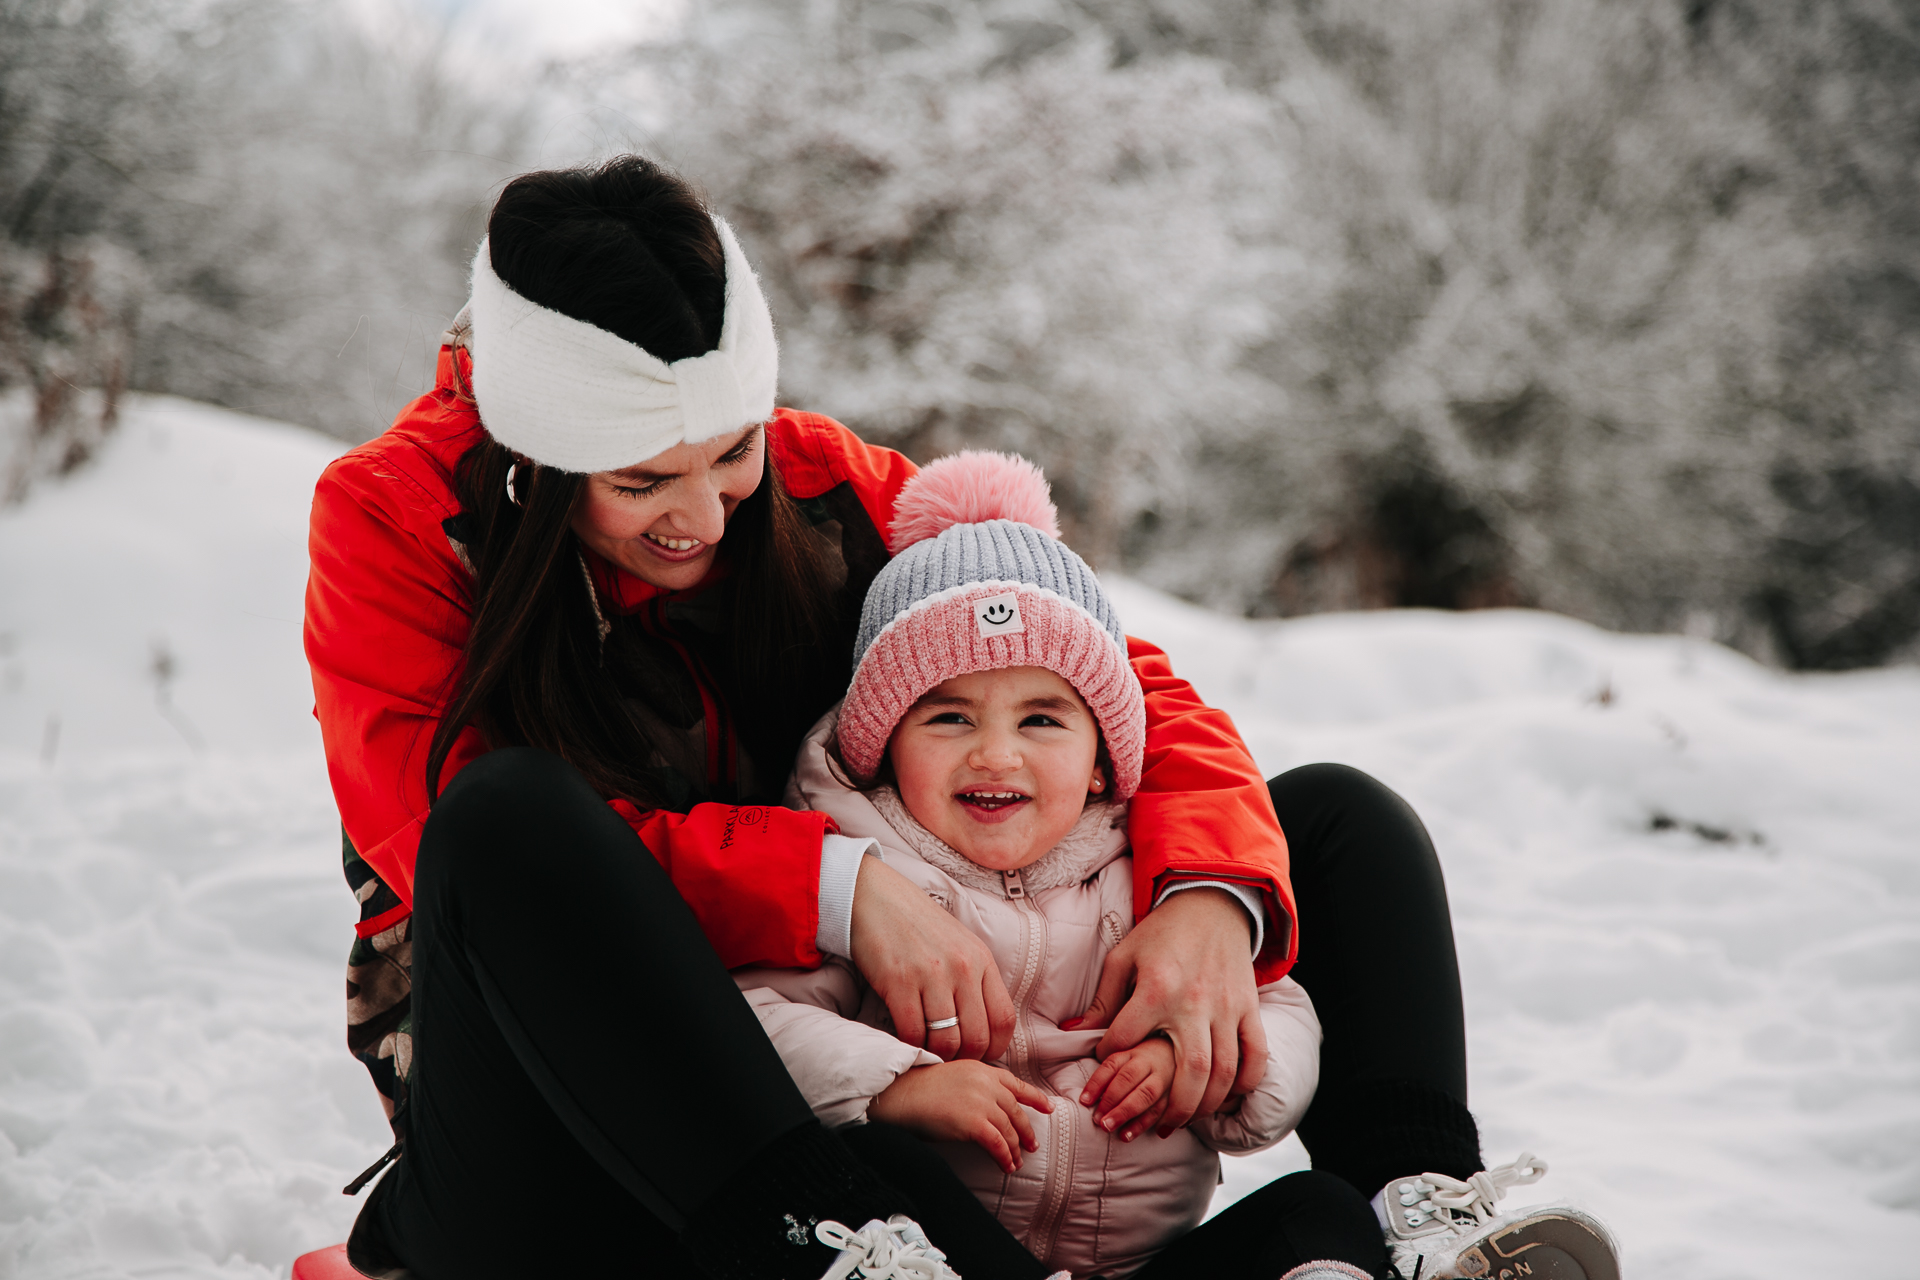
[(967, 488)]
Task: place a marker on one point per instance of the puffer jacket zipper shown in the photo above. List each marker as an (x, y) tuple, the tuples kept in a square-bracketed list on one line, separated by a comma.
[(1043, 1234)]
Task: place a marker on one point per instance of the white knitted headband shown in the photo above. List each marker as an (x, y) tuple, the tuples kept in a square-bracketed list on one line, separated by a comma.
[(569, 394)]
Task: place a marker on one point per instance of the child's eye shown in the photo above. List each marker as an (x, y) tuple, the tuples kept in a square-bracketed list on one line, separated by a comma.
[(948, 717), (1038, 721)]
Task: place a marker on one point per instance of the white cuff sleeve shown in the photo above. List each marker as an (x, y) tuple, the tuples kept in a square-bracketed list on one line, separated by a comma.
[(839, 869), (1251, 899)]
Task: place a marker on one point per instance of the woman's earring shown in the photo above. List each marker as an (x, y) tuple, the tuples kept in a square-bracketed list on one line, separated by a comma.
[(511, 496)]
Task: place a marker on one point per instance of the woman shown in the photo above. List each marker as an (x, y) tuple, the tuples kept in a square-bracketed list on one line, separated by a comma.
[(578, 607)]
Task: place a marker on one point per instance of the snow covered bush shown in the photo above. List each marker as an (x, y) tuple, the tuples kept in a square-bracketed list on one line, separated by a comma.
[(286, 204), (1627, 311), (66, 333), (976, 244), (1604, 307)]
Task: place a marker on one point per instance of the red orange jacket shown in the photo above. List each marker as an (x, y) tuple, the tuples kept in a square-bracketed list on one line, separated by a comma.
[(388, 604)]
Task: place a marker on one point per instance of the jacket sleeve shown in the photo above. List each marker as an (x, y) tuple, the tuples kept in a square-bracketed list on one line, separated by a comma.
[(839, 1064), (817, 453), (751, 874), (1202, 811), (1272, 1110), (388, 605), (386, 622)]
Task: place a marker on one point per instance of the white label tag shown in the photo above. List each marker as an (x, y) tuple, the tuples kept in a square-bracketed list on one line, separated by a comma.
[(998, 615)]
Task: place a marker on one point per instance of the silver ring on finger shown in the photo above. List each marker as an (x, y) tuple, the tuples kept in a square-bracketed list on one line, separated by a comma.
[(941, 1024)]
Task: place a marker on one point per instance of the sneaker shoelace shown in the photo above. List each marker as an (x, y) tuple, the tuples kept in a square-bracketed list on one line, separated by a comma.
[(1453, 1200), (893, 1250)]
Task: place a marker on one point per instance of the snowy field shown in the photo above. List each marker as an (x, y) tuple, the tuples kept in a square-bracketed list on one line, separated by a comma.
[(1687, 890)]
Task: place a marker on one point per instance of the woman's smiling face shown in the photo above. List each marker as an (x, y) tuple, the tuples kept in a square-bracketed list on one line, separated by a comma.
[(999, 763), (662, 520)]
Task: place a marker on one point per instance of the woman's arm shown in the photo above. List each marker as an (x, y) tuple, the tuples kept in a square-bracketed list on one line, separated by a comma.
[(1202, 811), (387, 614), (387, 611)]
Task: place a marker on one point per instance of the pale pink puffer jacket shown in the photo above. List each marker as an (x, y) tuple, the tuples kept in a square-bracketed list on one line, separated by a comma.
[(1086, 1202)]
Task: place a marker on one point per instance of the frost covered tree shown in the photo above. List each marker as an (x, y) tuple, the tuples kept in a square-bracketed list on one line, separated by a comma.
[(1605, 307), (1627, 320), (975, 239), (252, 202)]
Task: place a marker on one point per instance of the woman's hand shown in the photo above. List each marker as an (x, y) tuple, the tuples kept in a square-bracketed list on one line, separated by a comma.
[(1189, 966), (965, 1102), (927, 966)]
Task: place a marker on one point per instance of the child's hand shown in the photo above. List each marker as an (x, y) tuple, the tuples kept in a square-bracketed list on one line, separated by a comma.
[(965, 1101), (1131, 1088)]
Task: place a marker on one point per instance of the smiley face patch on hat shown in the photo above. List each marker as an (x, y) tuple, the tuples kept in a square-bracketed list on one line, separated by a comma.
[(998, 615)]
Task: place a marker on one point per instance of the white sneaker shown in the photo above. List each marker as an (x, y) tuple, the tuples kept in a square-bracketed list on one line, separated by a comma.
[(1438, 1228), (896, 1249), (1326, 1270)]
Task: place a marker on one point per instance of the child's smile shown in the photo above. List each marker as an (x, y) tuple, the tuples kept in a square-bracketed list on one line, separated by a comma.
[(999, 764), (992, 804)]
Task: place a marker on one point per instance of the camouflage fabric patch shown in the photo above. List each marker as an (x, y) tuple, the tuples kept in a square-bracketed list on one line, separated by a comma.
[(379, 985)]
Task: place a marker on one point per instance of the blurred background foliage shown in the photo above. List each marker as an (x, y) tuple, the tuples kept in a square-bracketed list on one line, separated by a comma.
[(1610, 307), (252, 202)]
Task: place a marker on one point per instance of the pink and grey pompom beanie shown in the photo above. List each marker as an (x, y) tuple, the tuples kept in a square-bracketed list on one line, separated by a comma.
[(980, 580)]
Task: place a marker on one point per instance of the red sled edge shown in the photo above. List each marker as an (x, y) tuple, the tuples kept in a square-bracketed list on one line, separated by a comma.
[(325, 1264)]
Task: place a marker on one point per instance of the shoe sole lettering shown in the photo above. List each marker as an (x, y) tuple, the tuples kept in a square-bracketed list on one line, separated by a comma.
[(1544, 1248)]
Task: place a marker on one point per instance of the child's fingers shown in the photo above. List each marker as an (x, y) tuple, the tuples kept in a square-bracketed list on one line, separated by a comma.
[(1028, 1094), (1123, 1099), (1149, 1118), (1022, 1126), (1138, 1104), (1142, 1095), (1133, 1068), (995, 1135), (1097, 1082)]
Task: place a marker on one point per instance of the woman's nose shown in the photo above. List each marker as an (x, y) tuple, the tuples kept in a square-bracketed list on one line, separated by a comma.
[(704, 516)]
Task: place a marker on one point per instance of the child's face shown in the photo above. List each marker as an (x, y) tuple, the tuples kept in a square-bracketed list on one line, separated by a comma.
[(998, 763)]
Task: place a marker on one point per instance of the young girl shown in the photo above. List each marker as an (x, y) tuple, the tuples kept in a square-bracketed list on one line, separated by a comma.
[(988, 746)]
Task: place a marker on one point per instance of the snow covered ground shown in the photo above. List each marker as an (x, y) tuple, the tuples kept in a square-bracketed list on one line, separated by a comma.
[(1687, 890)]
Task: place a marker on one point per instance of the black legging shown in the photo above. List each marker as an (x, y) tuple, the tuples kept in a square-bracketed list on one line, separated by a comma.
[(588, 1083), (1376, 955)]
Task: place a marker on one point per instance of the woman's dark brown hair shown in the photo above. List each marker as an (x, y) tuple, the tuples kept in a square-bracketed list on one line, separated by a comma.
[(632, 249)]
